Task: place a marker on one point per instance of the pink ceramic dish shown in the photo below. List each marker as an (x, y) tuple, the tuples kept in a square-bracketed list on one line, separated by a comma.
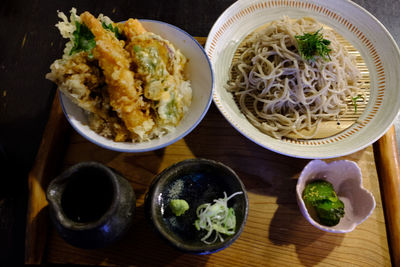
[(346, 178)]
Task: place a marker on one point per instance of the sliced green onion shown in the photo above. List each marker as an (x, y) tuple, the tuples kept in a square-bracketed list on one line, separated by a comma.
[(216, 218)]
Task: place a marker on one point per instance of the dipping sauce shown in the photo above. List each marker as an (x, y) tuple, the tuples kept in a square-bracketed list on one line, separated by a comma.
[(87, 196)]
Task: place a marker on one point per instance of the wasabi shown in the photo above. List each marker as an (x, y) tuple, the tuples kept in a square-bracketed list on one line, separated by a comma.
[(178, 206), (322, 202)]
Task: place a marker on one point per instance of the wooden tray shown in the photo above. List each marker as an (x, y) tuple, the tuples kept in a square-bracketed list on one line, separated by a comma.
[(275, 234)]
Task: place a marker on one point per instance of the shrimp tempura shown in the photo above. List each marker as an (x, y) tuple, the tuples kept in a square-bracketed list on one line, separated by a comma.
[(132, 28), (123, 90)]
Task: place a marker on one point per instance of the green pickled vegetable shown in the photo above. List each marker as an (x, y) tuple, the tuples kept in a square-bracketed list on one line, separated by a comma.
[(178, 206), (322, 202), (330, 212)]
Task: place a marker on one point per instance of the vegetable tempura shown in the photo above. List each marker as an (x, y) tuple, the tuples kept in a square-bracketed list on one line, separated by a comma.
[(130, 81)]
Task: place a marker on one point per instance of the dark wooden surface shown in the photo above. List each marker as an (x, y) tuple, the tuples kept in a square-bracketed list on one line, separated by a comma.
[(29, 42)]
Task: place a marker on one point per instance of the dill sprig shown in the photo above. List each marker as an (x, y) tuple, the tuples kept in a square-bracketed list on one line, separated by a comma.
[(313, 44)]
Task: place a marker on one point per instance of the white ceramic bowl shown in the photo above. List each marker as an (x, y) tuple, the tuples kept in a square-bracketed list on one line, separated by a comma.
[(346, 178), (198, 71), (359, 27)]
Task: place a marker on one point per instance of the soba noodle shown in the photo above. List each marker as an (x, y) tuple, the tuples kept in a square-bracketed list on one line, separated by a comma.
[(283, 94)]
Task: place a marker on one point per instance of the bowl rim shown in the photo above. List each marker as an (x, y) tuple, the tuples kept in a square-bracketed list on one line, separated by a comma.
[(150, 208), (169, 142)]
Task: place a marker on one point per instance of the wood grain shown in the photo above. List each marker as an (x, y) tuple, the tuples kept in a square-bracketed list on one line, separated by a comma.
[(389, 174), (275, 234), (47, 164)]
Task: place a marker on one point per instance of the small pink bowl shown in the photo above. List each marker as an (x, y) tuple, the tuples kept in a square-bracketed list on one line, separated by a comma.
[(346, 178)]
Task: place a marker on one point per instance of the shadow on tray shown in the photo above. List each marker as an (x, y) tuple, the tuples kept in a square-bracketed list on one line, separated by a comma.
[(265, 173), (141, 246)]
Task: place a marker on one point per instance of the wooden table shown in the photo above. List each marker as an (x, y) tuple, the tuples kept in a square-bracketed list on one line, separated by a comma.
[(275, 234)]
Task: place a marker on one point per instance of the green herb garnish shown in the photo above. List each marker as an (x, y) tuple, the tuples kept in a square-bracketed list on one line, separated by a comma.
[(112, 29), (354, 100), (83, 40), (312, 44)]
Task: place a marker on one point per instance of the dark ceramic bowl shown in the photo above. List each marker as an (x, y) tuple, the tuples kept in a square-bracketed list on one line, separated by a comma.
[(197, 181)]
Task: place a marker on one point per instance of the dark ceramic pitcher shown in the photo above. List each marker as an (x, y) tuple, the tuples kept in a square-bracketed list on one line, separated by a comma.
[(91, 205)]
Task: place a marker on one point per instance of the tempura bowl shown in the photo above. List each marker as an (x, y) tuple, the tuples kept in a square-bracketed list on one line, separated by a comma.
[(198, 71), (356, 25)]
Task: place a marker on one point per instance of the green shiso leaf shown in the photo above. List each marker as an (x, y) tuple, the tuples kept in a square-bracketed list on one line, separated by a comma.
[(83, 40)]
